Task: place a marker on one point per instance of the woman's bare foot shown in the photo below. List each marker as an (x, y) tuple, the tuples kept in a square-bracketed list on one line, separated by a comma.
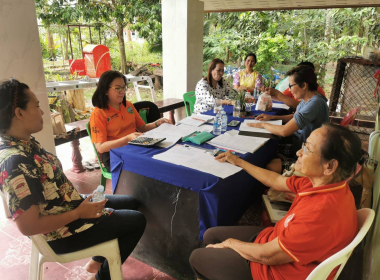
[(92, 277), (92, 267)]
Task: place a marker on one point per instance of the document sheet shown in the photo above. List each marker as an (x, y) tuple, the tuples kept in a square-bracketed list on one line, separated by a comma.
[(197, 159), (245, 127), (196, 120), (238, 143), (173, 133)]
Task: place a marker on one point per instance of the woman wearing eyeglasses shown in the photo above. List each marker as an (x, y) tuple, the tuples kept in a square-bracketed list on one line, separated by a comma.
[(311, 113), (115, 121), (321, 221)]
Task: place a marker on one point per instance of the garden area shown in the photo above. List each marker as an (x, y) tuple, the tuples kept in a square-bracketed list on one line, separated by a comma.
[(280, 39)]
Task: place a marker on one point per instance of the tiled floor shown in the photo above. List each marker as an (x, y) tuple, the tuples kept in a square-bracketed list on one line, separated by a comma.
[(15, 248)]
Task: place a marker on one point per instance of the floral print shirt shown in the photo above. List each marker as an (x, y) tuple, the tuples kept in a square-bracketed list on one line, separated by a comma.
[(206, 95), (248, 80), (29, 175)]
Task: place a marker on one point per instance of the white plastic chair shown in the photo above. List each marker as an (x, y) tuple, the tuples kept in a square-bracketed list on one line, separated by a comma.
[(323, 270), (5, 205), (42, 252)]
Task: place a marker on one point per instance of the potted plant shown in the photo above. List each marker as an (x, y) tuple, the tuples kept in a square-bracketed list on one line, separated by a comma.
[(239, 96)]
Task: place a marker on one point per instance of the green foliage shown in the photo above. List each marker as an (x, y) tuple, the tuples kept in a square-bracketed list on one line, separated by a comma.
[(289, 37)]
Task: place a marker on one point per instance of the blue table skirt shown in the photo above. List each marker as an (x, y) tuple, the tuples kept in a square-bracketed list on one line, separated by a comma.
[(221, 201)]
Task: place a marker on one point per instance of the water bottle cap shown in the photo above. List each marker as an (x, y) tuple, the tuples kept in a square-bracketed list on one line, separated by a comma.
[(100, 188)]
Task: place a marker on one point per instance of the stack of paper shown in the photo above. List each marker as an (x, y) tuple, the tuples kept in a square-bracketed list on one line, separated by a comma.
[(173, 133), (280, 106), (197, 159), (276, 210), (196, 120), (238, 143), (245, 127)]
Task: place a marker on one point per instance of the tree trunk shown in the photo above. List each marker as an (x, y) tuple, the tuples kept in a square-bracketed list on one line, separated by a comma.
[(228, 54), (50, 42), (360, 35), (123, 58), (76, 98), (66, 45), (129, 36), (305, 36)]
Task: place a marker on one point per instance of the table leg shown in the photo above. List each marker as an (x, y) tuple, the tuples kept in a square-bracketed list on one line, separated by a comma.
[(171, 116), (77, 157)]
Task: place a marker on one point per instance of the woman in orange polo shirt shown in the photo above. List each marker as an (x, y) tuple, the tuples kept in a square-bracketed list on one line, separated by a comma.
[(115, 121), (321, 221)]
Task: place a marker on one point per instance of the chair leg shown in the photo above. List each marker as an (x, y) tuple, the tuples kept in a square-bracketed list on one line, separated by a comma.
[(34, 263), (114, 266), (103, 180)]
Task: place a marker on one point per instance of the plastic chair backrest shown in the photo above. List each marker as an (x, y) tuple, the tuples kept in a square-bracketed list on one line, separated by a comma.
[(350, 117), (104, 170), (148, 111), (189, 100), (323, 270)]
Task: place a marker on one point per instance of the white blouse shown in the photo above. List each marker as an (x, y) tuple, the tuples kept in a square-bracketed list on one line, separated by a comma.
[(206, 95)]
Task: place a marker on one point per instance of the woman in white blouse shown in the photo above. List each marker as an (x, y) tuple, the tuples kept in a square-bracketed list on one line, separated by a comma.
[(211, 87)]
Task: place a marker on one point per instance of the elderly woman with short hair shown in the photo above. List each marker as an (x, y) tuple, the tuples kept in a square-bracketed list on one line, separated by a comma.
[(321, 221)]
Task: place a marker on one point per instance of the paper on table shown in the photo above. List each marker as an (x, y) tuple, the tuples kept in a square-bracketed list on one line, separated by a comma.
[(197, 159), (280, 106), (174, 133), (245, 127), (239, 143), (196, 120)]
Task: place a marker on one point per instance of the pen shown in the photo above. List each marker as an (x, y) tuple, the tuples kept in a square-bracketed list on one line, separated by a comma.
[(198, 119)]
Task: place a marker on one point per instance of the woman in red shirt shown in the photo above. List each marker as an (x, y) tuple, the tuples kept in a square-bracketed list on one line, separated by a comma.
[(321, 221)]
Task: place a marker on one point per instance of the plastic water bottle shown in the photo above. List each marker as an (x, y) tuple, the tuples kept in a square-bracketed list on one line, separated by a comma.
[(217, 124), (224, 120), (236, 112), (98, 194)]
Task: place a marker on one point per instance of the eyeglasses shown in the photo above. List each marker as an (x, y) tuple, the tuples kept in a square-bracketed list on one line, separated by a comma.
[(290, 86), (119, 89), (305, 150)]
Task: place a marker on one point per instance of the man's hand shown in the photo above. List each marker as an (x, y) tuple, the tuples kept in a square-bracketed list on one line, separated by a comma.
[(163, 120), (133, 136), (264, 117), (90, 210), (257, 125), (225, 244), (228, 157)]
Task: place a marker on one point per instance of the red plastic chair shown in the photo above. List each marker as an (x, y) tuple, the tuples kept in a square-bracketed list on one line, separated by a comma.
[(350, 117)]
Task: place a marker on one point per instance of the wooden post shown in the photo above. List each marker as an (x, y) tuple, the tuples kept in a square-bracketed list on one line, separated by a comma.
[(337, 84), (77, 157)]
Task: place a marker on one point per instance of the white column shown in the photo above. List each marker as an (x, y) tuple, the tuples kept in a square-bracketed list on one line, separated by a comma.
[(20, 56), (182, 36)]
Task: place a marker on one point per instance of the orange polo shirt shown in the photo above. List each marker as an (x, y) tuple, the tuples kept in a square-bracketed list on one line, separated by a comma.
[(287, 92), (111, 124), (320, 222)]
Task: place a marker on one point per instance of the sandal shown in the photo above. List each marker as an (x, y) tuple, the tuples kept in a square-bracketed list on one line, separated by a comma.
[(88, 166), (95, 165)]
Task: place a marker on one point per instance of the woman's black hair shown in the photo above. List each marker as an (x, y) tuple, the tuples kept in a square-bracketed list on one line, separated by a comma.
[(100, 99), (211, 67), (12, 96), (304, 74), (251, 54), (344, 146), (307, 63)]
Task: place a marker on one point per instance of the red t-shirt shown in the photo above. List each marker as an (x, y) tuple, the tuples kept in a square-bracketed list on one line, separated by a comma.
[(287, 92), (320, 222), (111, 124)]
